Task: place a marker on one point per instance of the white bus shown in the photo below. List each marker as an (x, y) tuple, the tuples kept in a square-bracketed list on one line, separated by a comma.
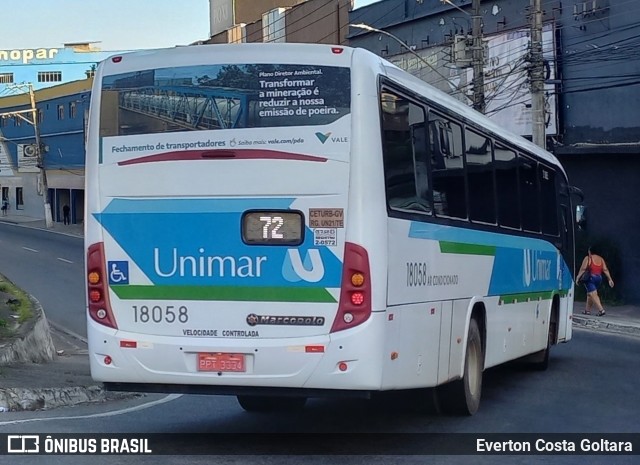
[(284, 221)]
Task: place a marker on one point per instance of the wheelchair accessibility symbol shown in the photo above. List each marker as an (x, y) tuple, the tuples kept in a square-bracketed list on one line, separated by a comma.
[(118, 272)]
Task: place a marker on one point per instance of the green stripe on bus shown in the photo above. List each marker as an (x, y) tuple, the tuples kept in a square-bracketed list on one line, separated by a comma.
[(517, 298), (239, 293), (467, 249)]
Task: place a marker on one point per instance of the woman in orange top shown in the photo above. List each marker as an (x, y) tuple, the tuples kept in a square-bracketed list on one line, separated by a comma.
[(596, 266)]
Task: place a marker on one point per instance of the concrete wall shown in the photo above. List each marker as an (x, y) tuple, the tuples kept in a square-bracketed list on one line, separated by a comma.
[(319, 21)]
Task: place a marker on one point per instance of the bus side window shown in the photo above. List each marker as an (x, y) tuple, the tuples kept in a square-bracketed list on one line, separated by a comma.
[(439, 143), (448, 182), (404, 152), (529, 196), (480, 177), (506, 164), (420, 156)]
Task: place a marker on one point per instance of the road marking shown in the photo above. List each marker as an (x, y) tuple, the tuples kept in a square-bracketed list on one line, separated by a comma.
[(64, 260), (30, 250), (113, 413)]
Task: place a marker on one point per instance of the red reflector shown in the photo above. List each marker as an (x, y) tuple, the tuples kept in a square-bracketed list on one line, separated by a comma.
[(357, 298), (314, 349), (128, 344), (116, 59), (342, 366), (107, 360), (337, 50), (95, 296)]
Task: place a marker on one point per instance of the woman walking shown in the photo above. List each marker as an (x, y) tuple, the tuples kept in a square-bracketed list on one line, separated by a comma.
[(595, 266)]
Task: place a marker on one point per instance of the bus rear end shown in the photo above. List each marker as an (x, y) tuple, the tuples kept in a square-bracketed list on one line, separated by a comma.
[(217, 258)]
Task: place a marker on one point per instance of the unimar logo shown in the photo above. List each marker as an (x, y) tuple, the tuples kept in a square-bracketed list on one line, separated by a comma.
[(535, 267), (323, 137)]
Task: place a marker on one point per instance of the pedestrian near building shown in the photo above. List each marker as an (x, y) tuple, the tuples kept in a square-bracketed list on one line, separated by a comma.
[(590, 275), (5, 207), (65, 214)]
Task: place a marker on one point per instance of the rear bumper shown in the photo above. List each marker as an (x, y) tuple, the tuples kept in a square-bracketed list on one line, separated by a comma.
[(346, 360)]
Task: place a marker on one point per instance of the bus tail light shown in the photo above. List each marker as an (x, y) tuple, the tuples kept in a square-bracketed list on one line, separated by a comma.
[(97, 287), (354, 306)]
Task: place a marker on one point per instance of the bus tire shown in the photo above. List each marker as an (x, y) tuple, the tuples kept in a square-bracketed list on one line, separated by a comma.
[(271, 404), (462, 397), (540, 360)]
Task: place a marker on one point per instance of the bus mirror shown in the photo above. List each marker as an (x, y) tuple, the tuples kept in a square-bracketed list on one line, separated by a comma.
[(581, 216)]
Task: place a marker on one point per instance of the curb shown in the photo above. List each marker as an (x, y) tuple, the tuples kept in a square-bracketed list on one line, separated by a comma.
[(590, 323), (35, 345), (20, 399)]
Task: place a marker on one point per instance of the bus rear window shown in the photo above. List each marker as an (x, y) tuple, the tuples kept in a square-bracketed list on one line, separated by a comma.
[(208, 97)]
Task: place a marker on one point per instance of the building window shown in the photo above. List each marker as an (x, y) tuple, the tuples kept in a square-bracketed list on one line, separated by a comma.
[(6, 78), (50, 76), (273, 25), (60, 111), (72, 109), (19, 199), (237, 34), (40, 115)]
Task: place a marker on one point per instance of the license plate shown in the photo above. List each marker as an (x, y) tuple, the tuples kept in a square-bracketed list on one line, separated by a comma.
[(221, 362)]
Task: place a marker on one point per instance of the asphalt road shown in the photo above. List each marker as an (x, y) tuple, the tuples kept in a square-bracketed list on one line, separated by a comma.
[(590, 388), (50, 267)]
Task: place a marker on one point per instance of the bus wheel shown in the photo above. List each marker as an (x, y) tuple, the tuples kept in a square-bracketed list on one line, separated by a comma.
[(271, 404), (540, 360), (462, 397)]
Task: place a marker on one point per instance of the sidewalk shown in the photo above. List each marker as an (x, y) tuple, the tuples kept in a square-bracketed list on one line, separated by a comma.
[(37, 223), (620, 319), (67, 381)]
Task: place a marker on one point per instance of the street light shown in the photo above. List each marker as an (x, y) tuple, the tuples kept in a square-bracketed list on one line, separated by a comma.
[(366, 27)]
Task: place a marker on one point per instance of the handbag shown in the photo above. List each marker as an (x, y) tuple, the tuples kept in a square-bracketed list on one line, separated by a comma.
[(586, 276)]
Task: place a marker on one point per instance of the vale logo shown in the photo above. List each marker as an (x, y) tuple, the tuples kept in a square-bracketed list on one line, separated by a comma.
[(323, 137)]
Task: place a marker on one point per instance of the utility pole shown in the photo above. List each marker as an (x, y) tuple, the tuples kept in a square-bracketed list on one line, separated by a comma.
[(537, 77), (478, 60), (48, 218)]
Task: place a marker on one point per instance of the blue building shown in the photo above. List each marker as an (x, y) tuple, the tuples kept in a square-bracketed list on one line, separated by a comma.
[(46, 67), (62, 113), (61, 78)]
